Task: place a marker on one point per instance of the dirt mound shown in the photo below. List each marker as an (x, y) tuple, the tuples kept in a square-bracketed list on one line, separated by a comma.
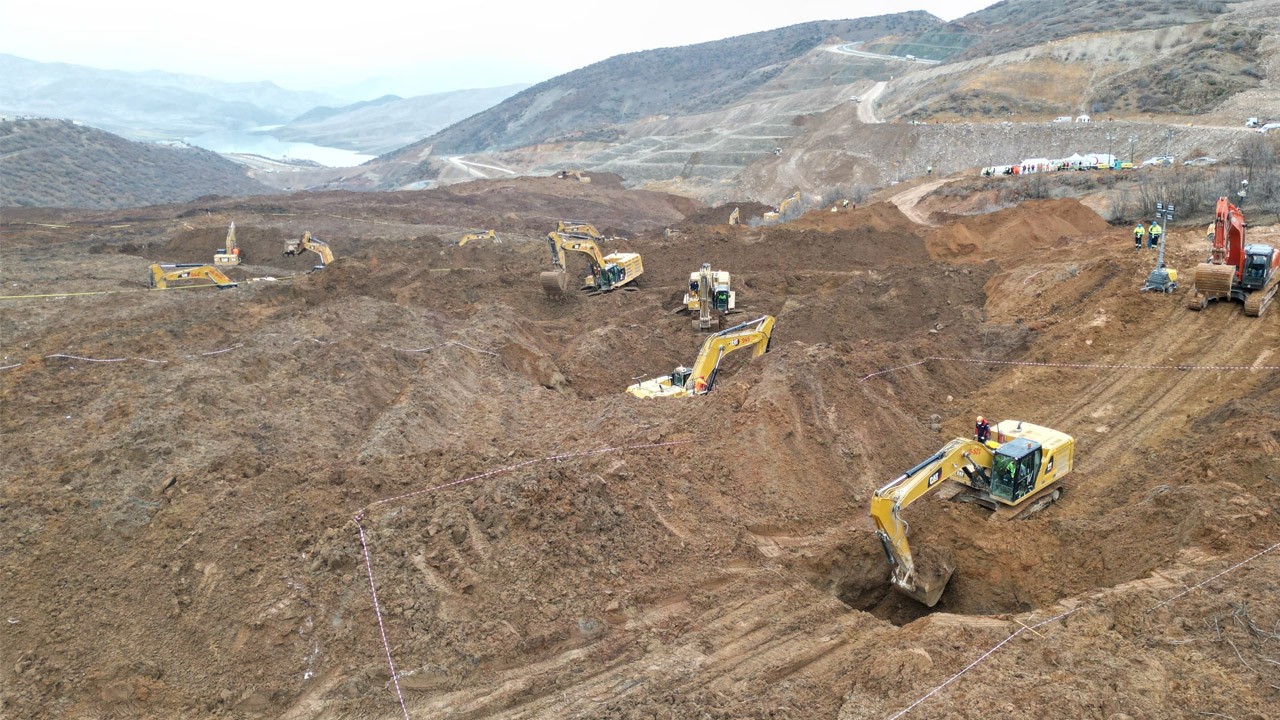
[(1015, 233), (178, 534), (719, 215)]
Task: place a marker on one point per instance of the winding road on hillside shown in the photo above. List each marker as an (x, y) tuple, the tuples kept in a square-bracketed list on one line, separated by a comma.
[(469, 167), (867, 106)]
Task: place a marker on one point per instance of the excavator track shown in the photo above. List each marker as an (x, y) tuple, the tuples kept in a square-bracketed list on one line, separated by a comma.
[(1256, 303), (554, 282)]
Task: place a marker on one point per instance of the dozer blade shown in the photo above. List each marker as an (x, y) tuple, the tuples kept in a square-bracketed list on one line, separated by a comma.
[(554, 283), (1214, 281), (925, 584)]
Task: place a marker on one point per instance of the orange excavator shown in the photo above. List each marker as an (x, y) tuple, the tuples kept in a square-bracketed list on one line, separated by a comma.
[(1235, 271)]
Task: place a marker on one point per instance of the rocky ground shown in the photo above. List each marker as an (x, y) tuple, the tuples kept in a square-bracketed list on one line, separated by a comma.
[(178, 533)]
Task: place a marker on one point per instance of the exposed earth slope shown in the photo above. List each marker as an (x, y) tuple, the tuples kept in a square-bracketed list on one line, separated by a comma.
[(192, 530)]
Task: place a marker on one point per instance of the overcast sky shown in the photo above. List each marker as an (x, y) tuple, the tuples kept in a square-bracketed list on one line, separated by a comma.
[(419, 47)]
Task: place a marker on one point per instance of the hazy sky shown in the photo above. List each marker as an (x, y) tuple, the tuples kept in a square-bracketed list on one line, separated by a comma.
[(418, 48)]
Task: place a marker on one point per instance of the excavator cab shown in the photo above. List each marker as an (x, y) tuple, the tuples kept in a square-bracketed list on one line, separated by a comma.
[(720, 298), (1257, 266), (680, 376), (1014, 469)]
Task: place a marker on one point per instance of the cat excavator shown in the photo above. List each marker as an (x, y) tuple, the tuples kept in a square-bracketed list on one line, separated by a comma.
[(231, 256), (733, 217), (608, 272), (782, 209), (701, 377), (477, 235), (578, 227), (709, 296), (308, 243), (162, 275), (1015, 472), (1235, 271)]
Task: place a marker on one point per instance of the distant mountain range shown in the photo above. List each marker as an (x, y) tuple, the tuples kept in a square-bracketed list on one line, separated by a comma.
[(390, 122), (145, 105), (164, 106)]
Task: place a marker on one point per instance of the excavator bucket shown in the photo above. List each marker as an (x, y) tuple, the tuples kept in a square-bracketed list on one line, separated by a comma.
[(554, 282), (932, 572)]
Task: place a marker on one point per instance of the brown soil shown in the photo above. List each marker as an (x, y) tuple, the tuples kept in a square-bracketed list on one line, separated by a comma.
[(177, 539)]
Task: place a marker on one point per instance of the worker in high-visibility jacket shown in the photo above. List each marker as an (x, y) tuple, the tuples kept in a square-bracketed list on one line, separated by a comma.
[(1138, 233), (1153, 234)]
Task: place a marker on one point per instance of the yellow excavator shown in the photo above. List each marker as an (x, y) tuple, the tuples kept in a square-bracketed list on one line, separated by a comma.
[(733, 217), (782, 209), (575, 174), (1015, 472), (231, 256), (608, 272), (701, 377), (163, 275), (477, 235), (709, 296), (308, 243), (577, 227)]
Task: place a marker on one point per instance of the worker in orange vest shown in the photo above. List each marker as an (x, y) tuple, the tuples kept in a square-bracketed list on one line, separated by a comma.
[(700, 385)]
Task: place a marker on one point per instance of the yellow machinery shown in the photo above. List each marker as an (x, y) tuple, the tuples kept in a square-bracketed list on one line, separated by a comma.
[(308, 243), (230, 257), (701, 378), (709, 296), (577, 227), (477, 235), (163, 275), (607, 271), (1016, 473), (575, 174), (733, 217), (782, 209)]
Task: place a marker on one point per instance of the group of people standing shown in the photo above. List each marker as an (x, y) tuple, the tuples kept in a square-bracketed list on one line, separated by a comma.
[(1152, 234)]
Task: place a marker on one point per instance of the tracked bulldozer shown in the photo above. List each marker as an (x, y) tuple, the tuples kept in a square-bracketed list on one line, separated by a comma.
[(607, 272), (1235, 270), (1016, 472)]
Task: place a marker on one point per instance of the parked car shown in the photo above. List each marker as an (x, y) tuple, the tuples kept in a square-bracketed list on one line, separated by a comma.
[(1202, 160), (1269, 127), (1158, 160), (1062, 118)]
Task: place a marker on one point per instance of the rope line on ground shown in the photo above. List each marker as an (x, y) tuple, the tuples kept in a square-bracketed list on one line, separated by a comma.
[(1060, 616), (368, 557), (377, 607)]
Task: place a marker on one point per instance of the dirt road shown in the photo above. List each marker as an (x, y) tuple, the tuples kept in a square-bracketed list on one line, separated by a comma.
[(867, 105)]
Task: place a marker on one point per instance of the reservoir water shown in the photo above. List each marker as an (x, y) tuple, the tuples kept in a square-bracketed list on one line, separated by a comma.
[(225, 141)]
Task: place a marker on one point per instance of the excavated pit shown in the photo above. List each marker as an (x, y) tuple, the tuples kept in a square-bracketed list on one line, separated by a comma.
[(183, 521)]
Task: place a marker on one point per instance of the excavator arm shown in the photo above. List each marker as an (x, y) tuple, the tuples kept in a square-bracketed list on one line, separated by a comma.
[(701, 377), (231, 256), (308, 243), (923, 581), (163, 275), (607, 271)]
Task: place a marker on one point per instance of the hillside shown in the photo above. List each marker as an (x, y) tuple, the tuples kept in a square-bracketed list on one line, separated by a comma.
[(589, 104), (388, 123), (57, 163)]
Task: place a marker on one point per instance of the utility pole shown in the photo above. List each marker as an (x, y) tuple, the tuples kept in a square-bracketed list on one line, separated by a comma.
[(1132, 140), (1168, 137), (1111, 159)]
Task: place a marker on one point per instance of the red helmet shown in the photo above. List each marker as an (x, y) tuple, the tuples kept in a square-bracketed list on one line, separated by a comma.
[(981, 419)]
